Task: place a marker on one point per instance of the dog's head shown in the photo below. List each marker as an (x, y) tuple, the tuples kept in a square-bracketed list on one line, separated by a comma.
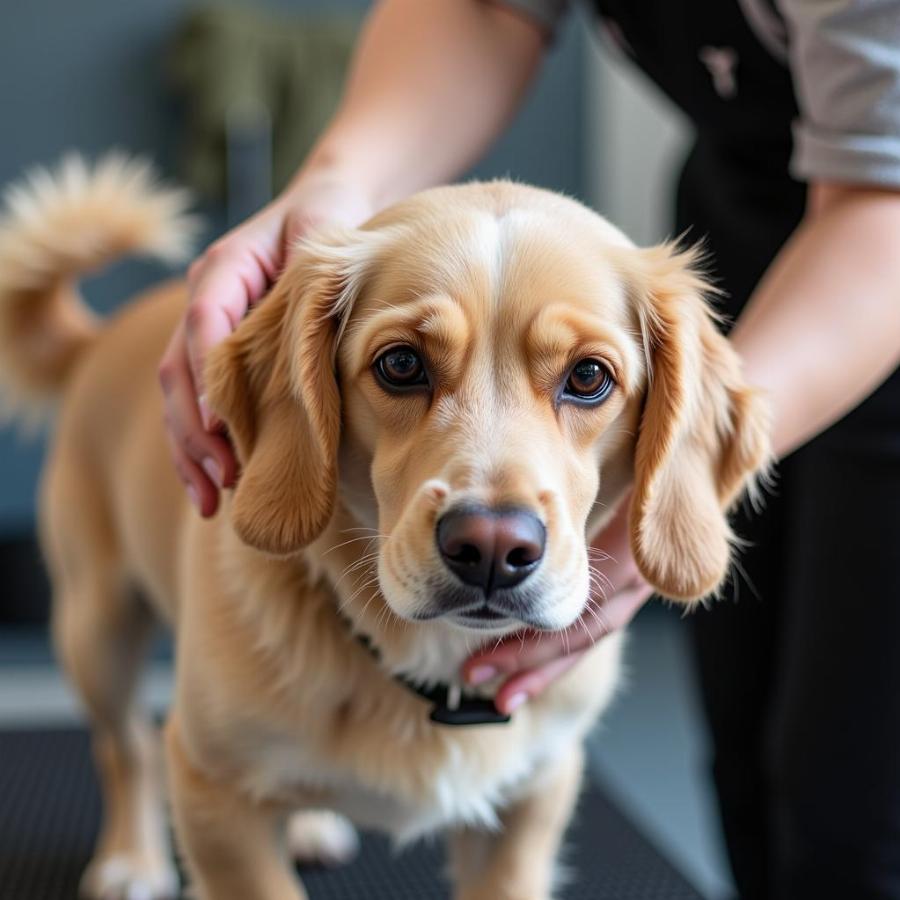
[(479, 373)]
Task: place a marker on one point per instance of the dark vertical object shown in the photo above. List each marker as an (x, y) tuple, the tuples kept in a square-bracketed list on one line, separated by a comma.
[(248, 131)]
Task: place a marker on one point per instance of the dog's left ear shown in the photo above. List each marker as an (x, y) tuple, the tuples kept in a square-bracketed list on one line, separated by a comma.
[(274, 384), (703, 434)]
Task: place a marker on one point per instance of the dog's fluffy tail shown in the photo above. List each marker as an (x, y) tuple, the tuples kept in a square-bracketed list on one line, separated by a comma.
[(56, 226)]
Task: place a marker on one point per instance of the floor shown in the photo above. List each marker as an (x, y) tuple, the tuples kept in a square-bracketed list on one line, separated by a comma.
[(648, 750)]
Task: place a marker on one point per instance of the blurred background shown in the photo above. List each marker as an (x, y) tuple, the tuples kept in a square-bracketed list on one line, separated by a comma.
[(227, 99)]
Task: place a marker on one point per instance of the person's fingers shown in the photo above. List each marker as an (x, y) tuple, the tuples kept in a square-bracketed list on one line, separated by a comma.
[(525, 650), (201, 490), (213, 463), (225, 285), (236, 271), (525, 685), (231, 276)]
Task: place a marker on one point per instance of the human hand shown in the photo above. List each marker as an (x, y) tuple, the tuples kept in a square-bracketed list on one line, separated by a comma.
[(531, 660), (235, 272)]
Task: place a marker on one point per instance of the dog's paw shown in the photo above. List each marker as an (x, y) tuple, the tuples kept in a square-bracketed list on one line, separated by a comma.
[(321, 837), (125, 877)]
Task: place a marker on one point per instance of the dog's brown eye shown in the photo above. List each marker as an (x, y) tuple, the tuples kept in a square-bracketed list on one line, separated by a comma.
[(401, 367), (589, 380)]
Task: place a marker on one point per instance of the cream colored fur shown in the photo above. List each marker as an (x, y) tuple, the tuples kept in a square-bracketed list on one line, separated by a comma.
[(331, 528)]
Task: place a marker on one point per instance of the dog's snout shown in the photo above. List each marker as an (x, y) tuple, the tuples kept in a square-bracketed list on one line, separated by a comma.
[(491, 549)]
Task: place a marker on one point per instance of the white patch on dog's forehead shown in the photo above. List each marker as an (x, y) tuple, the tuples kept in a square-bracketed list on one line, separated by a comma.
[(489, 241), (485, 246), (554, 223), (491, 238), (576, 237)]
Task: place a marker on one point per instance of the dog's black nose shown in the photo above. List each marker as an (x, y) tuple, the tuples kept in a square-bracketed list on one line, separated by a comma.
[(491, 549)]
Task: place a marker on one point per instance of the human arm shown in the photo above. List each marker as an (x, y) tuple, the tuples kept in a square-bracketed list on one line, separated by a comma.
[(430, 86), (822, 330)]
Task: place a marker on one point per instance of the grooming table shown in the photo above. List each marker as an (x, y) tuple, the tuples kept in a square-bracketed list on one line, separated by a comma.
[(49, 811)]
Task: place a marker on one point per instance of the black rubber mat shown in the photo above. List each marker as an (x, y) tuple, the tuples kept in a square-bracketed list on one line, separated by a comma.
[(49, 810)]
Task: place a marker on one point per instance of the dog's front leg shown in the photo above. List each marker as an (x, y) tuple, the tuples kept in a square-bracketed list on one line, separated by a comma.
[(230, 844), (517, 863)]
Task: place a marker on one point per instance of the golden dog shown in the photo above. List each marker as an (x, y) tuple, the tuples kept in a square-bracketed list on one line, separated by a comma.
[(433, 414)]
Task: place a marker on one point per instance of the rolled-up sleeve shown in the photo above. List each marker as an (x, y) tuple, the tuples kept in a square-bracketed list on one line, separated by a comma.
[(845, 60), (547, 13)]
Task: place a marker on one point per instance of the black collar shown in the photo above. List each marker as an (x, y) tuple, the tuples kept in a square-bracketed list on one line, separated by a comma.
[(449, 706)]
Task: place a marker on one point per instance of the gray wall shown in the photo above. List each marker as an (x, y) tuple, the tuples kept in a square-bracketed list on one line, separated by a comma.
[(89, 76)]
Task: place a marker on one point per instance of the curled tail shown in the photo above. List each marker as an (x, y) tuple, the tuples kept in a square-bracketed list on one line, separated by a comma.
[(56, 226)]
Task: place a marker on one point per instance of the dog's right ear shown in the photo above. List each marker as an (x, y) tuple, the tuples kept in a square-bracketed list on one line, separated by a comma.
[(273, 383)]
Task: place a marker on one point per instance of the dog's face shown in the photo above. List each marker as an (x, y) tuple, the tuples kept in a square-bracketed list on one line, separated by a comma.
[(478, 374), (487, 374)]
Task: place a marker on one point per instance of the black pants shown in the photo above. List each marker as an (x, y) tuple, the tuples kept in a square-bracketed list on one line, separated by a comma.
[(800, 663)]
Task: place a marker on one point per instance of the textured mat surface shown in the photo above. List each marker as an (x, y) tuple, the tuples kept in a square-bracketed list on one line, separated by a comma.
[(49, 810)]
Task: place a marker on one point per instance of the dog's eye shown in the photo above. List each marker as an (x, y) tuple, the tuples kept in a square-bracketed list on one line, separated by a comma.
[(589, 380), (400, 367)]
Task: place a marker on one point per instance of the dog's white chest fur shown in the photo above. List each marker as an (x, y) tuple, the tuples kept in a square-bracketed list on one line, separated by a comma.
[(457, 790), (467, 782)]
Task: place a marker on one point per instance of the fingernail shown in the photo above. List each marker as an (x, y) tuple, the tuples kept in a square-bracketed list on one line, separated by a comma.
[(481, 674), (195, 497), (211, 467), (205, 412), (516, 701)]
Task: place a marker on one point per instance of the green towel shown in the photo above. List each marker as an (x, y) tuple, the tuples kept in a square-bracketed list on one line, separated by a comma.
[(234, 63)]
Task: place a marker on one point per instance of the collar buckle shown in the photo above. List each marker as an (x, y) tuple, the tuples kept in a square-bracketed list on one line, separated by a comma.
[(451, 708)]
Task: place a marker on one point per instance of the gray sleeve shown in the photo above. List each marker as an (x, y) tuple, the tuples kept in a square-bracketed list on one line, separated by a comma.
[(845, 59), (547, 13)]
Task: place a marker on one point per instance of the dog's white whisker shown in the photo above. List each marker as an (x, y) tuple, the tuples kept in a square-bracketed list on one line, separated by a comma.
[(366, 605), (368, 583), (353, 571), (586, 630), (592, 609), (361, 563), (597, 550), (353, 540)]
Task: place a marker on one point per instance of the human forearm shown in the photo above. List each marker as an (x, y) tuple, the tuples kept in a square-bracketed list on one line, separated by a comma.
[(432, 84), (823, 328)]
